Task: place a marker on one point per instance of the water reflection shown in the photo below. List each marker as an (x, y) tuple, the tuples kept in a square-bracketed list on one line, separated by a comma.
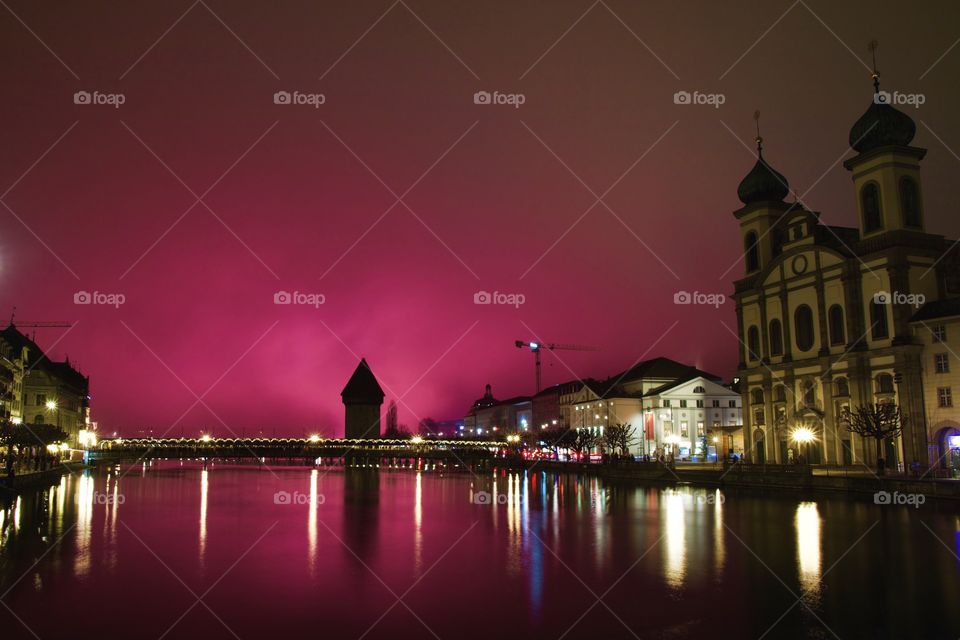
[(719, 550), (418, 525), (85, 498), (597, 529), (675, 538), (204, 489), (361, 499), (807, 525), (312, 522)]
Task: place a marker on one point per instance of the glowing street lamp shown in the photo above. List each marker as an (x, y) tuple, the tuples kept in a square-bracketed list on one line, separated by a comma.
[(803, 436), (416, 440), (205, 438), (314, 438), (51, 405)]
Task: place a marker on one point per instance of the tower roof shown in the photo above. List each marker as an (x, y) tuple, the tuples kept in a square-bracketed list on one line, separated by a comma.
[(763, 183), (362, 387), (881, 125)]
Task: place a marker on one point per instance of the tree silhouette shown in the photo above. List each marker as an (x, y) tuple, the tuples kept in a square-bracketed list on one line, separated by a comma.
[(620, 437), (877, 421)]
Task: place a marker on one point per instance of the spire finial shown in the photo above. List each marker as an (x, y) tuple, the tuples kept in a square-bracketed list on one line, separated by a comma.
[(876, 74), (759, 139)]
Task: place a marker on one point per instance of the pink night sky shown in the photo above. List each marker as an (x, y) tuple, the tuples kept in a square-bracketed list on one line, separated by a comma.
[(494, 198)]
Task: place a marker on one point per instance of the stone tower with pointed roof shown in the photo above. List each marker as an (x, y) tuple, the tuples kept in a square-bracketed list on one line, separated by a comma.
[(362, 399)]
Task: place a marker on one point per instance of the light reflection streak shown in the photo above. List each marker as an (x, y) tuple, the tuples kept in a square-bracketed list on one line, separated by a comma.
[(418, 526), (808, 526), (675, 543), (85, 498), (719, 548), (204, 488), (312, 522)]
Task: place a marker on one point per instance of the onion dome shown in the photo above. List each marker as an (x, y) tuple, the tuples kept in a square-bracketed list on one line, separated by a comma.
[(763, 183), (881, 125)]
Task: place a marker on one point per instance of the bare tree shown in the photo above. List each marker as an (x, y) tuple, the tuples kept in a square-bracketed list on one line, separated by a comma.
[(620, 437), (392, 429), (582, 440), (877, 421)]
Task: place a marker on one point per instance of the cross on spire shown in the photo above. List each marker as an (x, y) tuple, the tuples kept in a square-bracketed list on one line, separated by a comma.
[(872, 45), (759, 139)]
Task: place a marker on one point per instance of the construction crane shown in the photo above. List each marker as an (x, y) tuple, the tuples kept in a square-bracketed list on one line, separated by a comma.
[(536, 347), (37, 324)]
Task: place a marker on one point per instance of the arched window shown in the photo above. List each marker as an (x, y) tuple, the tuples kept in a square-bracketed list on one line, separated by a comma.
[(753, 343), (878, 320), (870, 203), (835, 320), (38, 419), (776, 338), (756, 396), (751, 251), (910, 202), (884, 383), (699, 389), (780, 393), (809, 392), (803, 327), (841, 387)]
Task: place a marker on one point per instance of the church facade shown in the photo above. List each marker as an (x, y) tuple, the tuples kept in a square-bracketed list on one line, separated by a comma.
[(827, 315)]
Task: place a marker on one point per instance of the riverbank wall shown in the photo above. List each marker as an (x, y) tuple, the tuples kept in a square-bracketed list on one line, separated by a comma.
[(786, 478)]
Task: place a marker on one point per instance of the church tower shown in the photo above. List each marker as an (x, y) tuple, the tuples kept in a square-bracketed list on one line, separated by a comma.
[(362, 398), (886, 169), (762, 192)]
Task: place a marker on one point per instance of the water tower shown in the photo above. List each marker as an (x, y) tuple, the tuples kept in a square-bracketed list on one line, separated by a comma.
[(362, 398)]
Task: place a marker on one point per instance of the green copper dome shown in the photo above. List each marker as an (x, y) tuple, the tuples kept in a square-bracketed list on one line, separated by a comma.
[(762, 184), (882, 125)]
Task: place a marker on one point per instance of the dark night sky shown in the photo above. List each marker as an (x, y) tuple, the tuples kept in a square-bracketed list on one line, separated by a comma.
[(199, 310)]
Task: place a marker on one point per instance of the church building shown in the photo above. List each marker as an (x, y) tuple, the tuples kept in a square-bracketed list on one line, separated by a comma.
[(833, 317)]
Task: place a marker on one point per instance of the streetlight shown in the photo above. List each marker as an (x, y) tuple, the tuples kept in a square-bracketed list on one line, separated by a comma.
[(803, 436)]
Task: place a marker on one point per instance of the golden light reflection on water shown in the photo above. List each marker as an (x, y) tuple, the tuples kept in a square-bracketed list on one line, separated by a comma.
[(675, 538), (516, 527), (719, 550), (85, 497), (204, 489), (809, 536), (312, 522), (418, 525)]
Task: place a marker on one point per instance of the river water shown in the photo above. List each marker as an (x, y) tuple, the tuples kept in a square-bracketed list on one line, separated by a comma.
[(176, 550)]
